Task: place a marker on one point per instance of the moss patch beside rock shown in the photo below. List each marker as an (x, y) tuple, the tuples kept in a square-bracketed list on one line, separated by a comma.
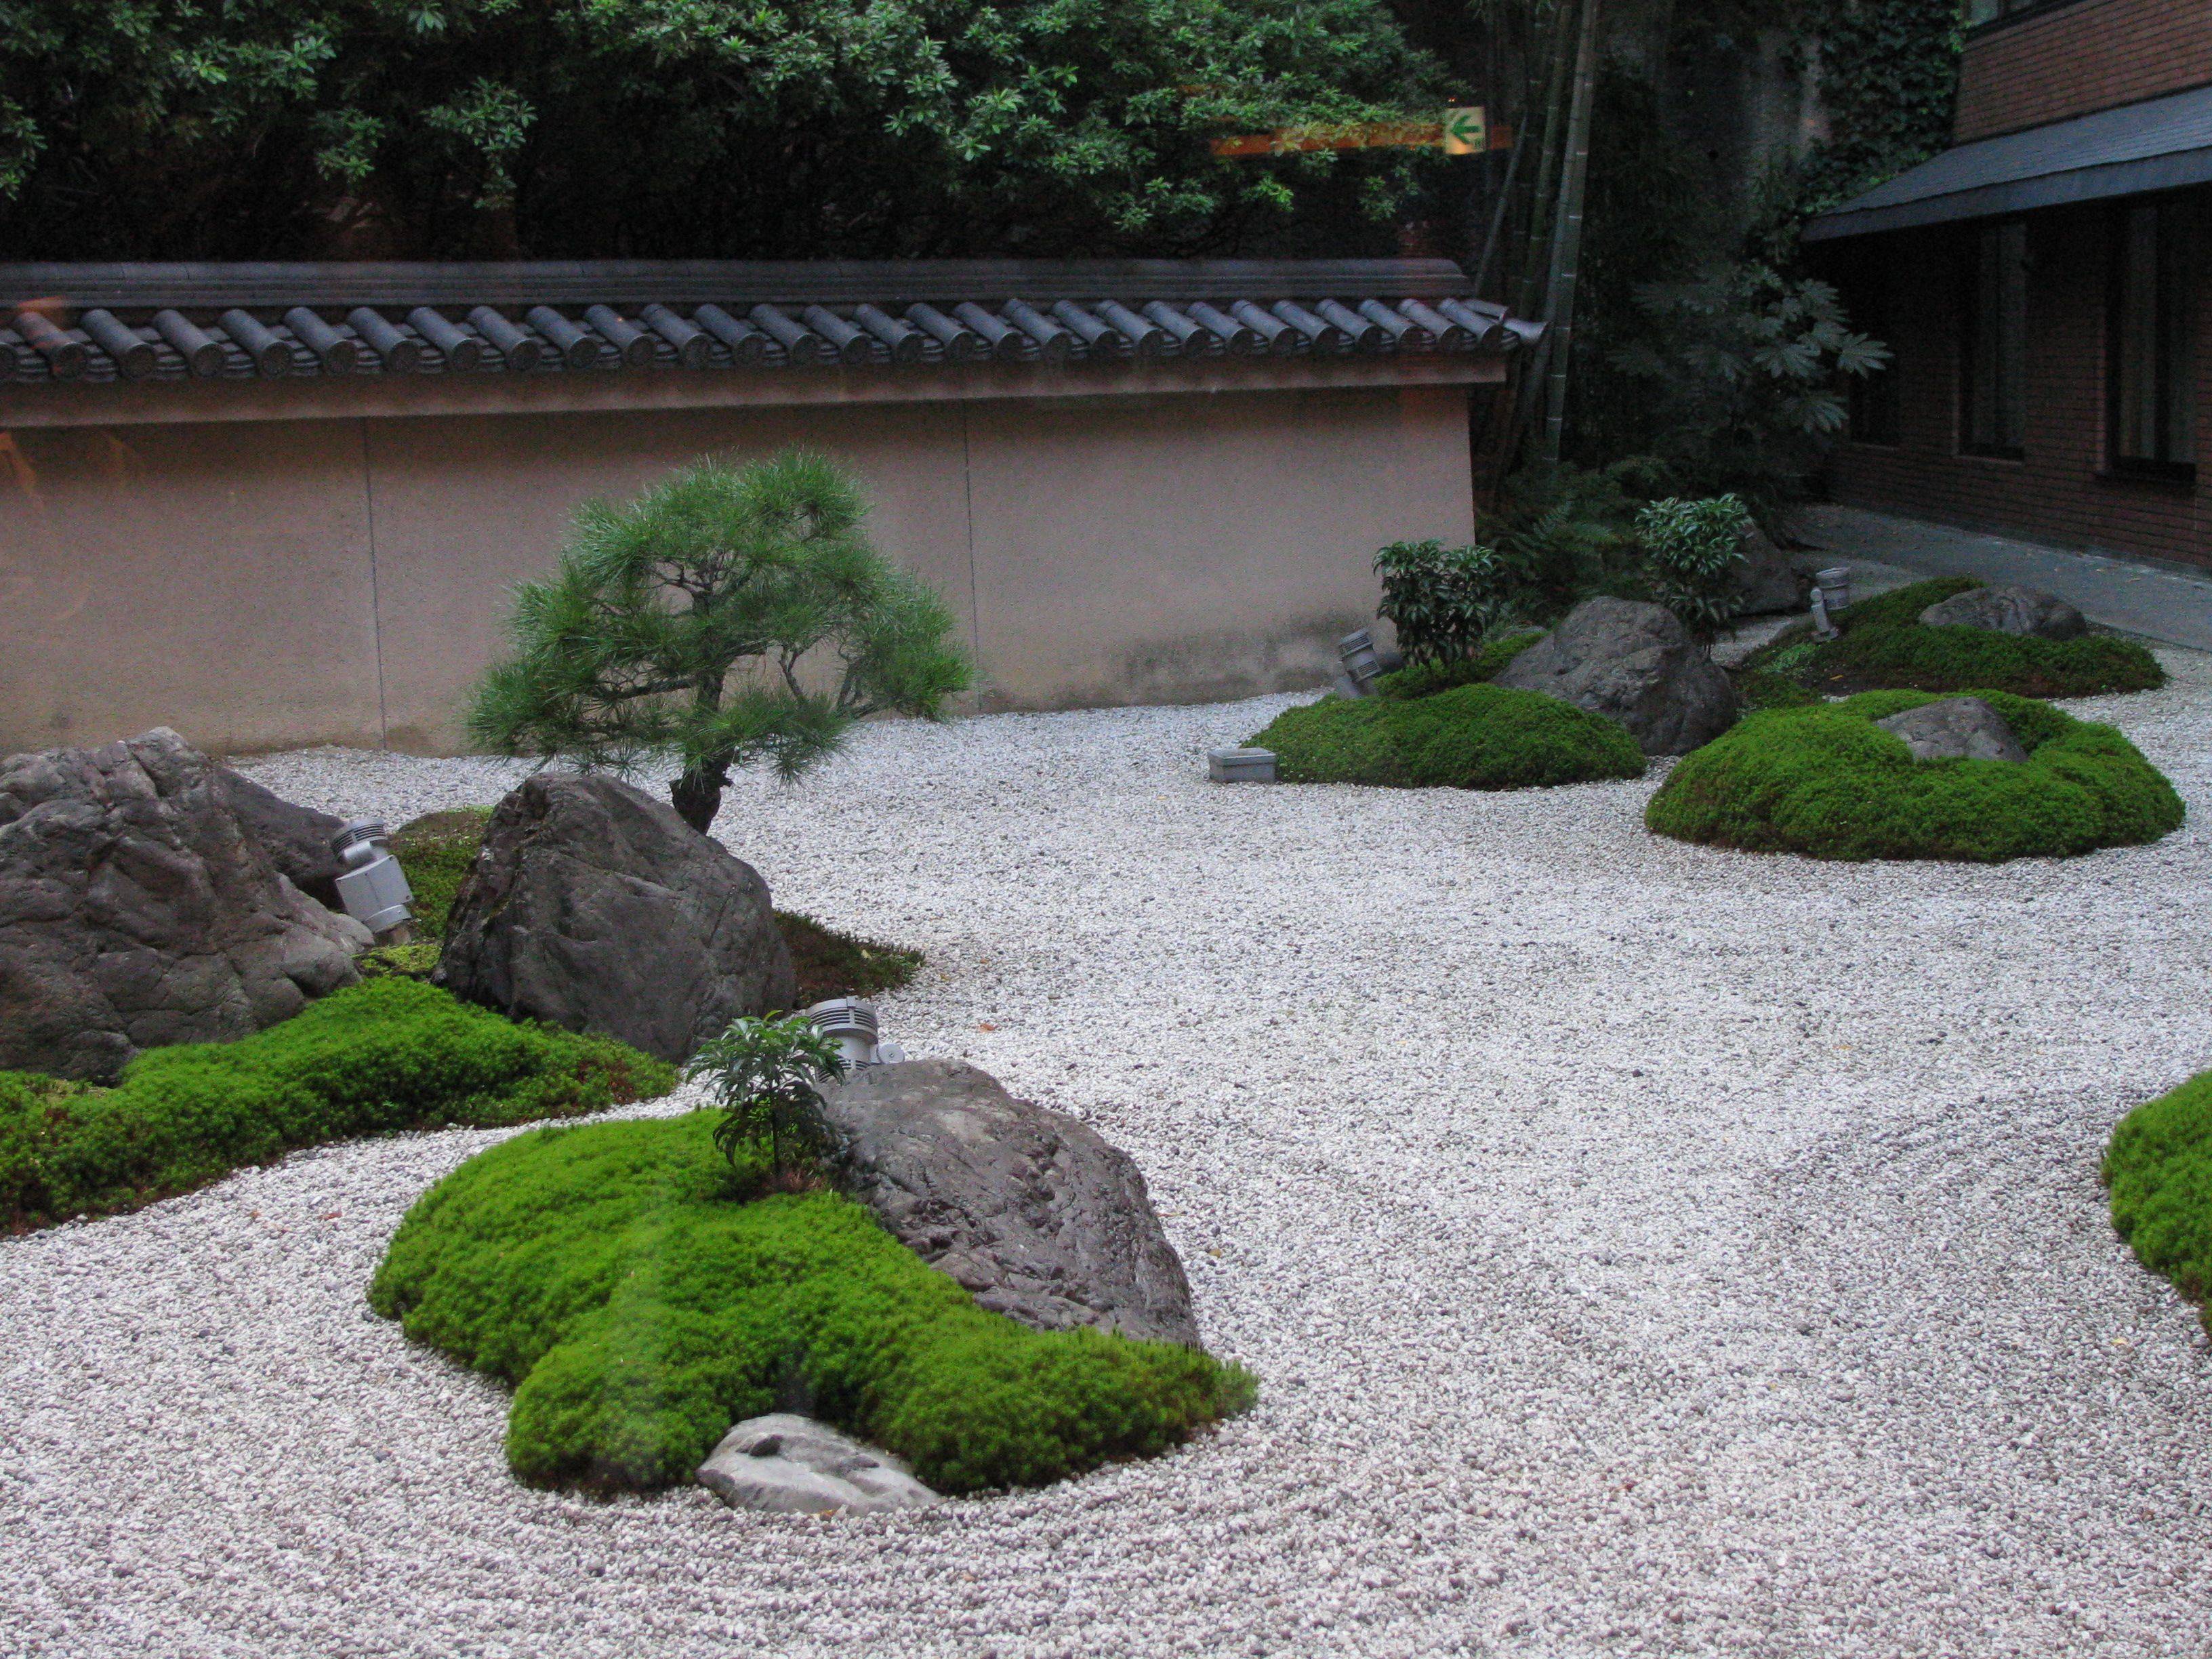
[(1884, 646), (1826, 782), (1474, 737), (641, 1297)]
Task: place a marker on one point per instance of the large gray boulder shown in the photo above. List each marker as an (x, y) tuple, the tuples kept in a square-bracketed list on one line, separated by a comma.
[(594, 908), (1635, 664), (297, 839), (137, 910), (2007, 609), (1957, 728), (1038, 1216), (786, 1464)]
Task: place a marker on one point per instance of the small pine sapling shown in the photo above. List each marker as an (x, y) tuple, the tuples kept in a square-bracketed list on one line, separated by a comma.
[(767, 1075)]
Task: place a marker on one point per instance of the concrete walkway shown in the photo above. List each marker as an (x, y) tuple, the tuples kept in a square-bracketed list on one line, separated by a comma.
[(2159, 601)]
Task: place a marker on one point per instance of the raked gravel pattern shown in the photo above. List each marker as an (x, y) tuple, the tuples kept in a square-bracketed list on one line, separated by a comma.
[(1645, 1249)]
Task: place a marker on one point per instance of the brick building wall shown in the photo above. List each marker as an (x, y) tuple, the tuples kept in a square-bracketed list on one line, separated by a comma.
[(2077, 58), (2061, 489)]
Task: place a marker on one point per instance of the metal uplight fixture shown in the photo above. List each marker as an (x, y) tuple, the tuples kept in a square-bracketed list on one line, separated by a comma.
[(373, 887), (851, 1025), (1363, 661), (1832, 597)]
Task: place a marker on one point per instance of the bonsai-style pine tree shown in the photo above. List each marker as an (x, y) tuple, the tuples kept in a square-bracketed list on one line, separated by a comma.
[(728, 616)]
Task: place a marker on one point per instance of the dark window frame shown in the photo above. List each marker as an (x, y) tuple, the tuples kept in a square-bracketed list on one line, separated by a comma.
[(2008, 12), (1974, 309), (2174, 378)]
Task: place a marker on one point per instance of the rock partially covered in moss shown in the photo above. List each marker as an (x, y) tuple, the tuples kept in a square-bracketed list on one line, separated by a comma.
[(1826, 781), (594, 908), (1636, 665)]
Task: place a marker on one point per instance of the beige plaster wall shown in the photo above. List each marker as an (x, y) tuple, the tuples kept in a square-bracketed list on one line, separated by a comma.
[(260, 584)]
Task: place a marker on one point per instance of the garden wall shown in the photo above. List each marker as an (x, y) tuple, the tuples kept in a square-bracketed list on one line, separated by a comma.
[(264, 582)]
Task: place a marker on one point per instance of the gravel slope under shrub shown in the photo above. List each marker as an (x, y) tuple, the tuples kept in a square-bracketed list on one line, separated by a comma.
[(1646, 1249)]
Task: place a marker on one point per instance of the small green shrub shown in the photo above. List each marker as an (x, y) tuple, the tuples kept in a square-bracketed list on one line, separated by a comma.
[(1425, 680), (1692, 550), (1884, 646), (1824, 781), (385, 1055), (1473, 736), (2159, 1166), (612, 1274), (768, 1076), (1444, 601)]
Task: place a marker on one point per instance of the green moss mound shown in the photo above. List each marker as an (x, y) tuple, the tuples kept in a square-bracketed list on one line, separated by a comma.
[(1474, 737), (640, 1302), (385, 1055), (436, 852), (2159, 1167), (1884, 646), (1826, 782)]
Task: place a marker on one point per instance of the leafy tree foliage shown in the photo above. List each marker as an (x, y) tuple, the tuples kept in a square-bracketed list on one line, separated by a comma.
[(659, 128), (728, 616)]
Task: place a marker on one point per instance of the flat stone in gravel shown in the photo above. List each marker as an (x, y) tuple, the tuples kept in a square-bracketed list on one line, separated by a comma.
[(595, 907), (1635, 664), (787, 1464), (1031, 1210), (1957, 728), (137, 909), (2008, 609)]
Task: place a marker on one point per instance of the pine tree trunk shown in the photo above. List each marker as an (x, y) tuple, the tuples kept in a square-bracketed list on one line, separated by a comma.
[(697, 795)]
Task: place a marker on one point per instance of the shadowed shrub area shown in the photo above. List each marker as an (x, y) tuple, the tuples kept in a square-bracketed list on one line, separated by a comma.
[(1473, 736), (641, 1298), (1884, 646), (1425, 680), (385, 1055), (834, 965), (2159, 1167), (1826, 782)]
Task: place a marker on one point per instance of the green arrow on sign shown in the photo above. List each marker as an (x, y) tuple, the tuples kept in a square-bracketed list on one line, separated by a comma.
[(1466, 131)]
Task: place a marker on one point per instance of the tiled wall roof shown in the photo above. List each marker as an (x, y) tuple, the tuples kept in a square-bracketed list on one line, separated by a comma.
[(178, 322)]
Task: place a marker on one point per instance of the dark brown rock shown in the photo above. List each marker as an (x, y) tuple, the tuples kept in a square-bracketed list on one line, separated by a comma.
[(137, 910), (297, 839), (1633, 663), (594, 908), (1033, 1212)]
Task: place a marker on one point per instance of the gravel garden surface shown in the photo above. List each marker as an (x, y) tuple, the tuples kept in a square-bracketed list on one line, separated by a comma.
[(1641, 1249)]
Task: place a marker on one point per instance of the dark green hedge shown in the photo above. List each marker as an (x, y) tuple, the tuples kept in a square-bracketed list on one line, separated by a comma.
[(2159, 1167), (388, 1053), (1474, 737), (1825, 781), (1884, 646), (641, 1301)]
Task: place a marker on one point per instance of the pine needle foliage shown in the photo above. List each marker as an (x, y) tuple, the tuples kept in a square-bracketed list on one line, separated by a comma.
[(641, 1303), (730, 616)]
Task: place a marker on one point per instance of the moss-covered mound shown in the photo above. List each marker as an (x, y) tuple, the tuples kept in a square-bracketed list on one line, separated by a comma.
[(436, 852), (1474, 737), (2159, 1167), (388, 1053), (640, 1301), (1827, 782), (1884, 645)]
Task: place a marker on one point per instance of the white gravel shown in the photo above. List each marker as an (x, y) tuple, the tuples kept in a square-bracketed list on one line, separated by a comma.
[(1646, 1249)]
